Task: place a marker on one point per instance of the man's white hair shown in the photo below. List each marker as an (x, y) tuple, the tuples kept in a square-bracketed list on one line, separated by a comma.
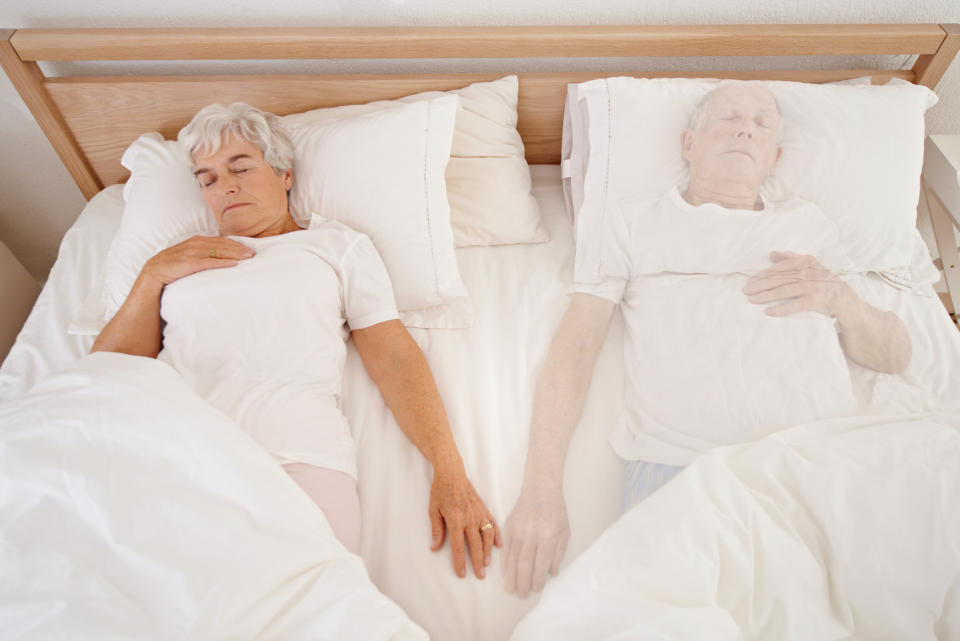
[(701, 109), (204, 134)]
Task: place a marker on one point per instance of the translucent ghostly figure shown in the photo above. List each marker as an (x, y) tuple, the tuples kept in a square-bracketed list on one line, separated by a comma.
[(740, 265)]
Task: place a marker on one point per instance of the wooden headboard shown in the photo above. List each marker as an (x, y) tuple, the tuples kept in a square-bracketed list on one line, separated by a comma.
[(91, 120)]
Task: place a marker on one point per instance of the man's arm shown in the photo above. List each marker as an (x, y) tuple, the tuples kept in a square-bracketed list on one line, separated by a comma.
[(397, 365), (537, 528), (869, 336), (872, 337)]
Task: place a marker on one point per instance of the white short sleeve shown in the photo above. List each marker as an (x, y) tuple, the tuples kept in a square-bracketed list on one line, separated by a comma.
[(367, 291), (615, 240)]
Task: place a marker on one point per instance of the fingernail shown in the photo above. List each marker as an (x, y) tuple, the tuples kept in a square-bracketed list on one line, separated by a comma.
[(483, 574)]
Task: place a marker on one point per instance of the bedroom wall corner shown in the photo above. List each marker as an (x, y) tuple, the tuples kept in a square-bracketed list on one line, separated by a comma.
[(18, 291)]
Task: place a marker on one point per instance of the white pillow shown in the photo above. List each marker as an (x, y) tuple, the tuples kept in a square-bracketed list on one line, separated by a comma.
[(855, 150), (488, 180), (377, 168), (162, 206)]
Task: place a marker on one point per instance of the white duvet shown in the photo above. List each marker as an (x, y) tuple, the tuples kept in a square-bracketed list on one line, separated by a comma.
[(841, 529), (486, 376), (131, 509)]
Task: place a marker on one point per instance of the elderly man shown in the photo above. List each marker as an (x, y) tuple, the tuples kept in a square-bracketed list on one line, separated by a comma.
[(732, 147)]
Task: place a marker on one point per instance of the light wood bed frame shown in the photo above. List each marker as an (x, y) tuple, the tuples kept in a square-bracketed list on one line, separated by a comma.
[(91, 120)]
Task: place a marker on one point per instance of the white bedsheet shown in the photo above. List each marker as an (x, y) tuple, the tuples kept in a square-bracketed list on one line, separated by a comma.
[(131, 509), (841, 529), (486, 376)]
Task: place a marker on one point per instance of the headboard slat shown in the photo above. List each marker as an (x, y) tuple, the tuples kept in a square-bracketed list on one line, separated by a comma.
[(106, 114), (90, 121), (246, 43)]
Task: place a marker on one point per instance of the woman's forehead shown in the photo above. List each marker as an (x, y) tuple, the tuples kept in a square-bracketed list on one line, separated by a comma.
[(231, 147)]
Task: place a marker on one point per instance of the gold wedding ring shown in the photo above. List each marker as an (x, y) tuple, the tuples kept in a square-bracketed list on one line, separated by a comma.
[(485, 527), (213, 253)]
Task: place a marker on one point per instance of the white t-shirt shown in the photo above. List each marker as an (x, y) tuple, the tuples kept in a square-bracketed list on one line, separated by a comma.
[(265, 341), (706, 367)]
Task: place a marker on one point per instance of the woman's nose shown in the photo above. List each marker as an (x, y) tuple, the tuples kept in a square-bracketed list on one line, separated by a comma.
[(229, 184)]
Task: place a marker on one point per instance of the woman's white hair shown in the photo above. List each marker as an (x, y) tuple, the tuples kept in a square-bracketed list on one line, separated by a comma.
[(204, 134)]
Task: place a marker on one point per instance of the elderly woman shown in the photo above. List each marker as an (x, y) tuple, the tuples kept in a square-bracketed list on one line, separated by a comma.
[(257, 320)]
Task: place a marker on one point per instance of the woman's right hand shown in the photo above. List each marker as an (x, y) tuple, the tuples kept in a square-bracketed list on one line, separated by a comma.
[(193, 255)]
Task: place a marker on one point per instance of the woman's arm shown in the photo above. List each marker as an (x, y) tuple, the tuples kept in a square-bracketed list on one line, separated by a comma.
[(398, 367), (869, 336), (135, 328)]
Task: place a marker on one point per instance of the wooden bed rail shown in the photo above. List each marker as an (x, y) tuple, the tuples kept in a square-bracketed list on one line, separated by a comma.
[(247, 43), (91, 120)]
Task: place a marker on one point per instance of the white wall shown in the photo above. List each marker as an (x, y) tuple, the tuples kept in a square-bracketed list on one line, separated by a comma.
[(40, 201)]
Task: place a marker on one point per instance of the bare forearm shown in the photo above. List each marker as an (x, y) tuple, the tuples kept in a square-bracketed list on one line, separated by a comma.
[(562, 389), (874, 338), (558, 403), (135, 328), (406, 383)]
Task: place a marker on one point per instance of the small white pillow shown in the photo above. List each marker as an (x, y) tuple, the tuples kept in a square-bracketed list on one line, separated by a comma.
[(377, 168), (162, 206), (855, 150)]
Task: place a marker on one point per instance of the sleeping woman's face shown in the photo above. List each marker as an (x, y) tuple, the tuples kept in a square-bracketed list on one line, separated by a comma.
[(246, 195), (736, 140)]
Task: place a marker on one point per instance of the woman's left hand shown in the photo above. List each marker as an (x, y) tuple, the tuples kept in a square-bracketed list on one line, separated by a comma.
[(455, 507), (803, 284)]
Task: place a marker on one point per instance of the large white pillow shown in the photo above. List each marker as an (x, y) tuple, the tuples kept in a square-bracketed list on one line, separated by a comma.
[(855, 150), (378, 168)]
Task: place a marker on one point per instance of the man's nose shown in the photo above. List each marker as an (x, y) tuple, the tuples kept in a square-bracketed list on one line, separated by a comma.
[(745, 130)]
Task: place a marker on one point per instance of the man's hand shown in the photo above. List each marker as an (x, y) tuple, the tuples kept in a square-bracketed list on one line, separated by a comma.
[(537, 534), (803, 284), (456, 508)]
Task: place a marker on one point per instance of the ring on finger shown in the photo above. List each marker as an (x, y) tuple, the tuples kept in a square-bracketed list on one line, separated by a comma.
[(485, 527), (213, 253)]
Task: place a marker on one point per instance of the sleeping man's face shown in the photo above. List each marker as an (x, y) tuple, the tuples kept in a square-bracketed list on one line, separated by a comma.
[(736, 138)]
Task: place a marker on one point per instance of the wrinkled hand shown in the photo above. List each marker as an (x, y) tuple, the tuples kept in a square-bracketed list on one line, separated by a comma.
[(456, 508), (194, 255), (803, 284), (537, 534)]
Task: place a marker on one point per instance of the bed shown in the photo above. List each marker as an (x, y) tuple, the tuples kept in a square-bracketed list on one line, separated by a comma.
[(88, 558)]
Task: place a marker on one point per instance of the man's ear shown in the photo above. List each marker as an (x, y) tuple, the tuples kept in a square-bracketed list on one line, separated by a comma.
[(776, 160), (686, 143)]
